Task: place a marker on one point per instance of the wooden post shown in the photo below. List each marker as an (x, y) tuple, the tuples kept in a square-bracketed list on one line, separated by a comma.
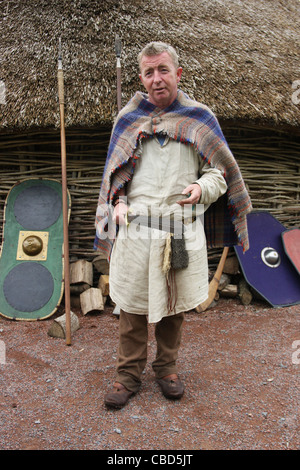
[(118, 54), (213, 285), (60, 78)]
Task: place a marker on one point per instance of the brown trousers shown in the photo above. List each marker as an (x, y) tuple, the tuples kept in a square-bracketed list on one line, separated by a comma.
[(132, 352)]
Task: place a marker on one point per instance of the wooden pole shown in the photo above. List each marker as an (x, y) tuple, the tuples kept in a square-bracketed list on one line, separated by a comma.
[(213, 285), (118, 54), (60, 78)]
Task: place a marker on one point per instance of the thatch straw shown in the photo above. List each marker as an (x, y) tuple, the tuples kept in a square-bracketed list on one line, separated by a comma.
[(239, 58)]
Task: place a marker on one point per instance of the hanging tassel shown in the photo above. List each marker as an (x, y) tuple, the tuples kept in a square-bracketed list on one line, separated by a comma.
[(167, 255), (170, 274), (172, 291), (175, 257)]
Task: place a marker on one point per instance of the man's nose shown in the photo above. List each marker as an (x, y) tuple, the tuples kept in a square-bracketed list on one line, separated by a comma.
[(157, 76)]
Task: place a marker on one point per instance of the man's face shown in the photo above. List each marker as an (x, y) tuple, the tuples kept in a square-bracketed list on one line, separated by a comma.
[(160, 78)]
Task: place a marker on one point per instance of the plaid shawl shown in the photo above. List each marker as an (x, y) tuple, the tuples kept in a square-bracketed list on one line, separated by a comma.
[(185, 121)]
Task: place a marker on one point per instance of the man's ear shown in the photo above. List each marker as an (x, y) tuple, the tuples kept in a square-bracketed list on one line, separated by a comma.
[(179, 73)]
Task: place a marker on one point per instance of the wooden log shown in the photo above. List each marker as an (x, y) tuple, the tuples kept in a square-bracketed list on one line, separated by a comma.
[(91, 300), (224, 281), (81, 271), (103, 284), (229, 291), (231, 265), (58, 327), (75, 301), (245, 294), (101, 264), (77, 289)]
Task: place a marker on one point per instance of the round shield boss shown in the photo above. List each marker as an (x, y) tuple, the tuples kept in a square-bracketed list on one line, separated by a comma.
[(32, 245), (37, 207), (28, 286), (270, 257)]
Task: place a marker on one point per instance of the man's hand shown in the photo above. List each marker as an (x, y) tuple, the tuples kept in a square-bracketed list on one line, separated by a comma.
[(194, 192), (119, 214)]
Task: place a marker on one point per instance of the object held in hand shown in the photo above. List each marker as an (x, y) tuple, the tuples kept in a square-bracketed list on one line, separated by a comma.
[(165, 224)]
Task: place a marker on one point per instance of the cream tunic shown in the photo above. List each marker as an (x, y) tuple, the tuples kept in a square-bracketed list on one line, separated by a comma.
[(137, 282)]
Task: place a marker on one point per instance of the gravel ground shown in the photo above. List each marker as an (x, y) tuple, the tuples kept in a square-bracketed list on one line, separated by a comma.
[(239, 364)]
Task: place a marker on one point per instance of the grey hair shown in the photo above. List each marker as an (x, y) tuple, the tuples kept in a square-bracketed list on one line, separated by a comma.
[(157, 47)]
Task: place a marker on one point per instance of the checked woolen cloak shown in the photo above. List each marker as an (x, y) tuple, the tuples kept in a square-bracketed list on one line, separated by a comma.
[(189, 122)]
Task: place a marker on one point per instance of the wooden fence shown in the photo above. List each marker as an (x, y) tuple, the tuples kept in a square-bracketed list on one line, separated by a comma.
[(269, 160)]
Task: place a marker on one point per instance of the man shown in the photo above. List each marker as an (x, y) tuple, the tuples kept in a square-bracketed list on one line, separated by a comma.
[(167, 152)]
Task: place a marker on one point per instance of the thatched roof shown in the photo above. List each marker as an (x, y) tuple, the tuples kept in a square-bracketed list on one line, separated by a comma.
[(239, 57)]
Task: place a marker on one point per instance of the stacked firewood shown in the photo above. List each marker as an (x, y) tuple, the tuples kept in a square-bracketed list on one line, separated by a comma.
[(89, 292), (89, 284), (232, 282)]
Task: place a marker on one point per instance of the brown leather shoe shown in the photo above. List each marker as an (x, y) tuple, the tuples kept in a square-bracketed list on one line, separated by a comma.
[(171, 386), (118, 396)]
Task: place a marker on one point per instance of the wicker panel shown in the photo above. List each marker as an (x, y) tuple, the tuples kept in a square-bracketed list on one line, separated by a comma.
[(269, 160)]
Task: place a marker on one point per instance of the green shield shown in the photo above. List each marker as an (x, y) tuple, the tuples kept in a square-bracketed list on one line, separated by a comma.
[(31, 262)]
